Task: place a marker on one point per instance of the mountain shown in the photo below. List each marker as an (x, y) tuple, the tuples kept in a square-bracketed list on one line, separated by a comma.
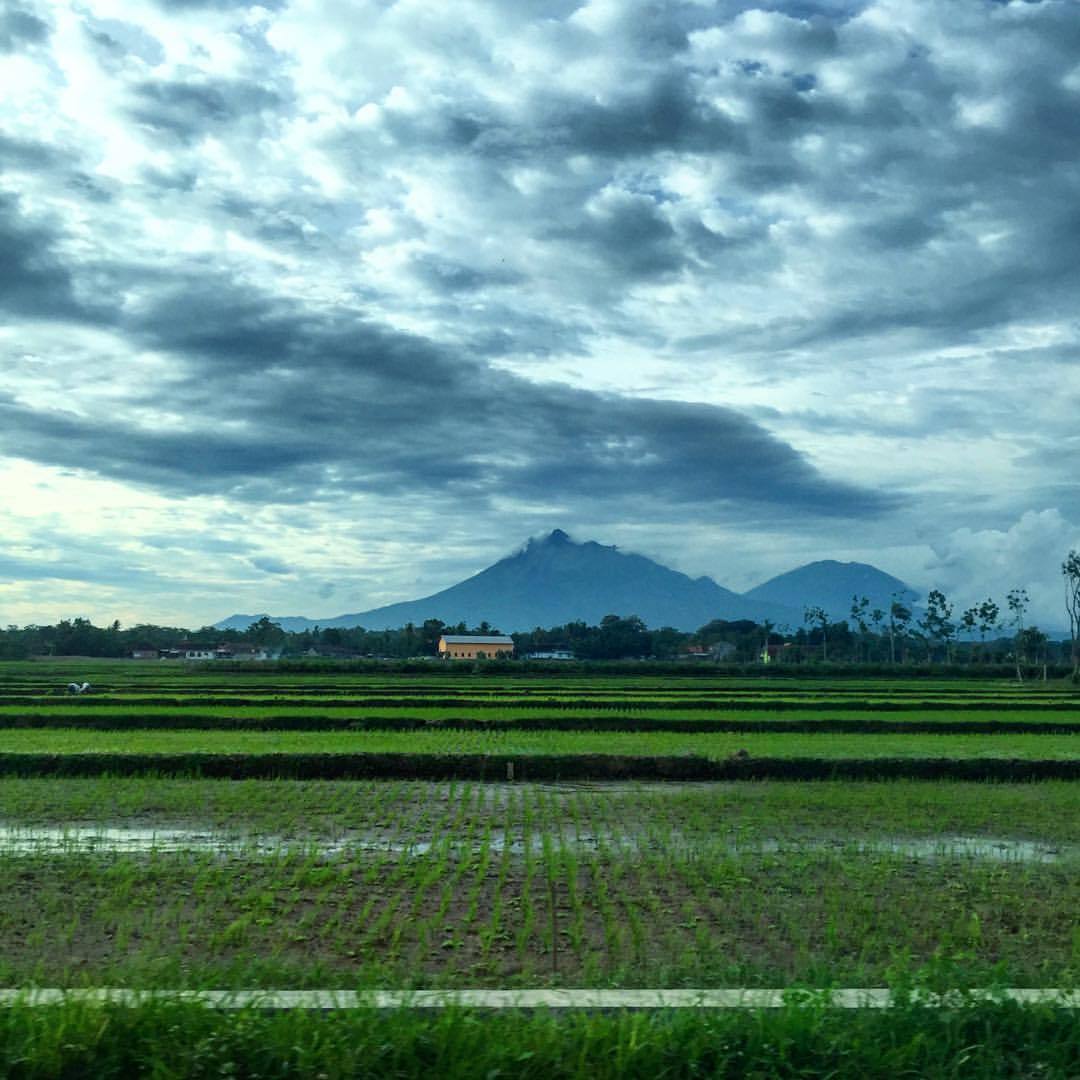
[(554, 580), (831, 585)]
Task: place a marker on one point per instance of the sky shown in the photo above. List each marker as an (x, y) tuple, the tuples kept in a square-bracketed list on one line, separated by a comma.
[(313, 306)]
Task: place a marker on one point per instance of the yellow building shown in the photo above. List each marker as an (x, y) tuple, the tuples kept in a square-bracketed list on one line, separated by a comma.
[(475, 646)]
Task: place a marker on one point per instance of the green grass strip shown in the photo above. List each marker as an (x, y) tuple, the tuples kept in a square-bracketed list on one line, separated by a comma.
[(169, 1040), (517, 743)]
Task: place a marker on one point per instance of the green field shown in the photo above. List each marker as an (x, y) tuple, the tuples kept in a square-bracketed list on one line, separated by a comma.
[(518, 743), (159, 881)]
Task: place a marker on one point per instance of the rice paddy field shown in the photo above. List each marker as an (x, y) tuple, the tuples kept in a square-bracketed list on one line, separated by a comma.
[(185, 828)]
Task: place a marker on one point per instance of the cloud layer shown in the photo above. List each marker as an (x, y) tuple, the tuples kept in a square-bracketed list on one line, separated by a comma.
[(798, 274)]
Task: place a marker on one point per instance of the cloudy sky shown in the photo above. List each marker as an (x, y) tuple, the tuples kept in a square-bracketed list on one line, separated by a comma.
[(316, 305)]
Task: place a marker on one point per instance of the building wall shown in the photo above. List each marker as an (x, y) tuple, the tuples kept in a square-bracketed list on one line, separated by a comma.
[(472, 651)]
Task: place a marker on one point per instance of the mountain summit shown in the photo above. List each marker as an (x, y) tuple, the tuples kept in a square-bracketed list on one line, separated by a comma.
[(831, 585), (554, 580)]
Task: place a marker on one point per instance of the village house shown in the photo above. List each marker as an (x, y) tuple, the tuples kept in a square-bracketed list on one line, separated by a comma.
[(475, 646), (776, 653), (189, 650), (239, 651), (717, 652)]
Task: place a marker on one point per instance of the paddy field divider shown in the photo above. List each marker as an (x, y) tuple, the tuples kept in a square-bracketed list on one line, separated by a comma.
[(532, 767), (557, 999)]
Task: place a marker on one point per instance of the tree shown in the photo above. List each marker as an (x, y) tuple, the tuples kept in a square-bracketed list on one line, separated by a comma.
[(1031, 643), (1018, 601), (860, 606), (936, 623), (988, 617), (265, 632), (430, 632), (877, 617), (899, 619), (1070, 570), (815, 614), (982, 618)]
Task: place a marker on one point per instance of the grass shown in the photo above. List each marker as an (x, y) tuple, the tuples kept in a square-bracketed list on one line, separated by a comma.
[(316, 717), (519, 743), (167, 1041)]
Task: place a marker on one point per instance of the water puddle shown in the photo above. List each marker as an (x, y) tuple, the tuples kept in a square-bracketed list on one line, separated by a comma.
[(115, 840), (35, 840), (937, 847)]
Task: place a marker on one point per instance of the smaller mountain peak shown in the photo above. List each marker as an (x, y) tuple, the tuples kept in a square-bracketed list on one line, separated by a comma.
[(557, 536)]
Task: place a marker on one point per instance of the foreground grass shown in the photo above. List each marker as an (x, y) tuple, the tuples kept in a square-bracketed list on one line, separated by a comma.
[(172, 1041)]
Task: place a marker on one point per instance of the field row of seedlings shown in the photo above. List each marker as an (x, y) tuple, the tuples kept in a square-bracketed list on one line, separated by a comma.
[(116, 679), (517, 743), (197, 884)]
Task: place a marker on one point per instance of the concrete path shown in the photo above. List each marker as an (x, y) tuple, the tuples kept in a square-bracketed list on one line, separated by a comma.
[(734, 998)]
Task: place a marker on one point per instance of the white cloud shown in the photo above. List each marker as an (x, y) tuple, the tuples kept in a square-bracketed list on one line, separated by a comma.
[(971, 563)]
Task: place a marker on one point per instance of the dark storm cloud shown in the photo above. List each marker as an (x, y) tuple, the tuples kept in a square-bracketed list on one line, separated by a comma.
[(676, 453), (194, 460), (19, 27), (511, 332), (628, 230), (447, 276), (189, 110), (84, 559), (663, 114), (269, 565), (28, 154), (115, 40), (176, 180), (34, 281), (292, 405)]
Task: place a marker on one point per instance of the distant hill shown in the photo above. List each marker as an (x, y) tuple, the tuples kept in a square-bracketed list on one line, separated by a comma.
[(831, 585), (554, 580)]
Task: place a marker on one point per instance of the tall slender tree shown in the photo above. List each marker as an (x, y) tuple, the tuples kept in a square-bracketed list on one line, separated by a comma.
[(899, 619), (1018, 601), (1070, 570), (860, 606)]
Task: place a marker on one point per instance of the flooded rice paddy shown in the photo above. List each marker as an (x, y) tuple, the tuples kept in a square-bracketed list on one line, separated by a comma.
[(119, 840)]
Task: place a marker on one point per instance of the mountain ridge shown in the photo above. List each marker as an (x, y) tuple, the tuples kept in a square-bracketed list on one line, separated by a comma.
[(553, 580)]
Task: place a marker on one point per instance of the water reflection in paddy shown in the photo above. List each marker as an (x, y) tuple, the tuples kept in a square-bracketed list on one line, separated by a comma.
[(126, 840)]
